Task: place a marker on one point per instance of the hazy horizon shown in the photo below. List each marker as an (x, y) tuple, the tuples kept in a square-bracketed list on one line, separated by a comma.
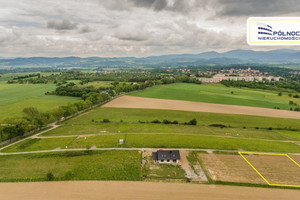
[(256, 50)]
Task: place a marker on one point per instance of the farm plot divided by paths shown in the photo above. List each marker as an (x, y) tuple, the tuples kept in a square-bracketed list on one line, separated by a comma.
[(229, 168), (275, 169), (151, 103)]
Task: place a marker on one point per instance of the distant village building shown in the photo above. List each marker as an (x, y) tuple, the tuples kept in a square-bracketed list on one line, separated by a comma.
[(220, 77), (240, 75), (166, 156)]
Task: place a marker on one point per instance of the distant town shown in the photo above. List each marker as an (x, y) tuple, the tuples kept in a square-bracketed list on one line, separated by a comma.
[(237, 75)]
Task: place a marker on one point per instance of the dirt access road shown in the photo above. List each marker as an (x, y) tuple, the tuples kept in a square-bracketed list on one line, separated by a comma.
[(151, 103), (112, 190)]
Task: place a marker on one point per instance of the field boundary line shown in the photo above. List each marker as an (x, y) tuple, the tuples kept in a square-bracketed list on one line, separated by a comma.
[(254, 168), (274, 154), (293, 160)]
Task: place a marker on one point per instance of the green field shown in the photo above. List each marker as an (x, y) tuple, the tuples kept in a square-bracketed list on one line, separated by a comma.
[(134, 115), (149, 128), (96, 165), (15, 97), (217, 93), (158, 141), (40, 144), (185, 141), (9, 76), (98, 84), (291, 134), (242, 131)]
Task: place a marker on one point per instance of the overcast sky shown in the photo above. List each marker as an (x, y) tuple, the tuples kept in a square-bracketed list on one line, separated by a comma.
[(130, 27)]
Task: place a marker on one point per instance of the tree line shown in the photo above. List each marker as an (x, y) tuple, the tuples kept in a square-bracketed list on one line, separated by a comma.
[(267, 85), (34, 119)]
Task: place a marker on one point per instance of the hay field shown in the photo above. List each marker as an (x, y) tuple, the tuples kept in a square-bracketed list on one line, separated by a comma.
[(151, 103)]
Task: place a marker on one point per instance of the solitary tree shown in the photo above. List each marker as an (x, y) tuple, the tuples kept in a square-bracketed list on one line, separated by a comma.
[(50, 176), (193, 122)]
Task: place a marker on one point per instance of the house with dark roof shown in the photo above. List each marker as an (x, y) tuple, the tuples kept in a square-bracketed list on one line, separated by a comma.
[(166, 156)]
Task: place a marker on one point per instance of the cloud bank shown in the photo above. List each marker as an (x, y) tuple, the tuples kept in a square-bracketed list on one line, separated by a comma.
[(130, 27)]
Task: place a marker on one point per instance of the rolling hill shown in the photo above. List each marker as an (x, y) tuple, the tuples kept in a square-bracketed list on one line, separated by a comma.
[(231, 57)]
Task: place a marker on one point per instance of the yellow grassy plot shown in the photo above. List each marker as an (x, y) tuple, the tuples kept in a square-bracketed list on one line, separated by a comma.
[(274, 154)]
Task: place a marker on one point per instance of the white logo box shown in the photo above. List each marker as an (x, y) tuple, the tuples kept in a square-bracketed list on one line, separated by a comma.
[(273, 31)]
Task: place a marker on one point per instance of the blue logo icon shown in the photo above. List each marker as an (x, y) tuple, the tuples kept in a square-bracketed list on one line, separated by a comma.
[(264, 29)]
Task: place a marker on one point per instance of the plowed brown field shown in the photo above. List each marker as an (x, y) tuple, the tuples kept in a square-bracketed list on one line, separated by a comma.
[(151, 103), (110, 190)]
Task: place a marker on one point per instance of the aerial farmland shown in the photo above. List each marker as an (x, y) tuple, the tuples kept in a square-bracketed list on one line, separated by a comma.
[(149, 99)]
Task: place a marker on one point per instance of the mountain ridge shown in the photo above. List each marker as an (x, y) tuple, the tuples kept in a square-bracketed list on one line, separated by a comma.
[(237, 56)]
